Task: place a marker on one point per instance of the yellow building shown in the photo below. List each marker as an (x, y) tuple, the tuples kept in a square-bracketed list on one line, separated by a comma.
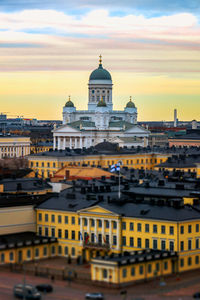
[(25, 246), (87, 229), (133, 266), (14, 146), (46, 164), (41, 147)]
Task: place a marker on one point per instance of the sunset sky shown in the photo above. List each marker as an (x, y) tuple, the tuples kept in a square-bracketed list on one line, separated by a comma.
[(49, 48)]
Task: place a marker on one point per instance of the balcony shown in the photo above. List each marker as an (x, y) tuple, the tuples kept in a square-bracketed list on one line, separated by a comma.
[(97, 246)]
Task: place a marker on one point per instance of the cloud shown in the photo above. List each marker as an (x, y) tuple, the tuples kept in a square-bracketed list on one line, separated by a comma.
[(148, 6)]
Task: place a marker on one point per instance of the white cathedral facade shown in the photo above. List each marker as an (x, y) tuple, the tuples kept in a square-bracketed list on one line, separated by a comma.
[(100, 123)]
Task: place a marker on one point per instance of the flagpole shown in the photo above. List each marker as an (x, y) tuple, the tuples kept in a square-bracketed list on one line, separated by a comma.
[(119, 185)]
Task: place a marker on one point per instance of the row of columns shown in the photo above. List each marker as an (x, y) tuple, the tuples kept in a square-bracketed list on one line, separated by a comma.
[(101, 230), (72, 142), (17, 151)]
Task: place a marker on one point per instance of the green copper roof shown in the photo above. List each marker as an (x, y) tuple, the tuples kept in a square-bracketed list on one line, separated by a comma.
[(100, 74), (130, 104), (69, 103)]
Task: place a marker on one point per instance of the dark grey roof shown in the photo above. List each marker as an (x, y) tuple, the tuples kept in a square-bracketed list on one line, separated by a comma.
[(24, 184), (134, 257), (18, 240)]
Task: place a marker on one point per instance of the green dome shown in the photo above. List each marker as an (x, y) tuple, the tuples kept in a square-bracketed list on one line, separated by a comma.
[(69, 103), (130, 104), (100, 74), (101, 103)]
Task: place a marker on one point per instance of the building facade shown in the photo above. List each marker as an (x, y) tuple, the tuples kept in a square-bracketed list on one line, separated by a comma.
[(14, 146), (100, 122)]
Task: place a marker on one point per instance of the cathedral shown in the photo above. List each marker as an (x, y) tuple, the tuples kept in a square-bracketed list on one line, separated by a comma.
[(99, 123)]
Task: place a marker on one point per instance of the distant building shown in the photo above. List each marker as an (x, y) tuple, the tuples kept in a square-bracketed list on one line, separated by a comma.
[(14, 146), (100, 123)]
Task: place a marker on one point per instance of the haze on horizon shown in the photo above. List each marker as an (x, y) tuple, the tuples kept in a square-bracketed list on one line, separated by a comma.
[(151, 48)]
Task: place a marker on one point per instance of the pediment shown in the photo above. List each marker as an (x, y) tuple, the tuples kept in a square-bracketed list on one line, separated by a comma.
[(97, 210), (66, 129), (137, 130)]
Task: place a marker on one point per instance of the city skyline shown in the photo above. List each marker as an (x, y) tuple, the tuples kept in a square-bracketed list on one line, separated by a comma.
[(48, 51)]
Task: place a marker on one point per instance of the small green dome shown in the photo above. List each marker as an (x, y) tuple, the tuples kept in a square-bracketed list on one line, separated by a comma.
[(130, 104), (100, 73), (69, 103)]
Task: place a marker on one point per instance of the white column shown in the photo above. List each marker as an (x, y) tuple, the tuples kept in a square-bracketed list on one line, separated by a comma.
[(88, 227), (75, 143), (58, 143), (81, 230), (54, 143), (103, 230), (64, 143), (95, 230), (86, 142), (81, 146), (110, 232), (118, 246), (70, 142)]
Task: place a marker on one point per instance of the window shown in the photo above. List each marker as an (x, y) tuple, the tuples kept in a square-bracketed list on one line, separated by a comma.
[(73, 220), (52, 218), (45, 251), (73, 235), (182, 262), (48, 164), (46, 218), (132, 271), (165, 265), (105, 273), (73, 251), (163, 229), (114, 225), (100, 223), (11, 256), (42, 164), (107, 224), (146, 227), (182, 230), (66, 234), (139, 227), (60, 233), (163, 245), (124, 241), (171, 230), (157, 267), (66, 219), (53, 250), (39, 217), (53, 232), (131, 242), (197, 227), (141, 270), (196, 259), (59, 219), (107, 238), (28, 254), (66, 250), (189, 244), (189, 228), (46, 231), (36, 164), (197, 243), (59, 250), (54, 165), (189, 261), (171, 246), (92, 237), (149, 268), (139, 242), (124, 225), (147, 243), (182, 245), (36, 252), (155, 244), (154, 228), (114, 240), (40, 230), (2, 257), (100, 238), (124, 273)]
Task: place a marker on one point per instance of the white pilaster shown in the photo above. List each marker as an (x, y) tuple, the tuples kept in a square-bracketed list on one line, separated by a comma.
[(64, 143), (81, 145), (59, 143), (54, 143), (70, 142), (81, 230), (75, 143), (110, 232), (118, 246)]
